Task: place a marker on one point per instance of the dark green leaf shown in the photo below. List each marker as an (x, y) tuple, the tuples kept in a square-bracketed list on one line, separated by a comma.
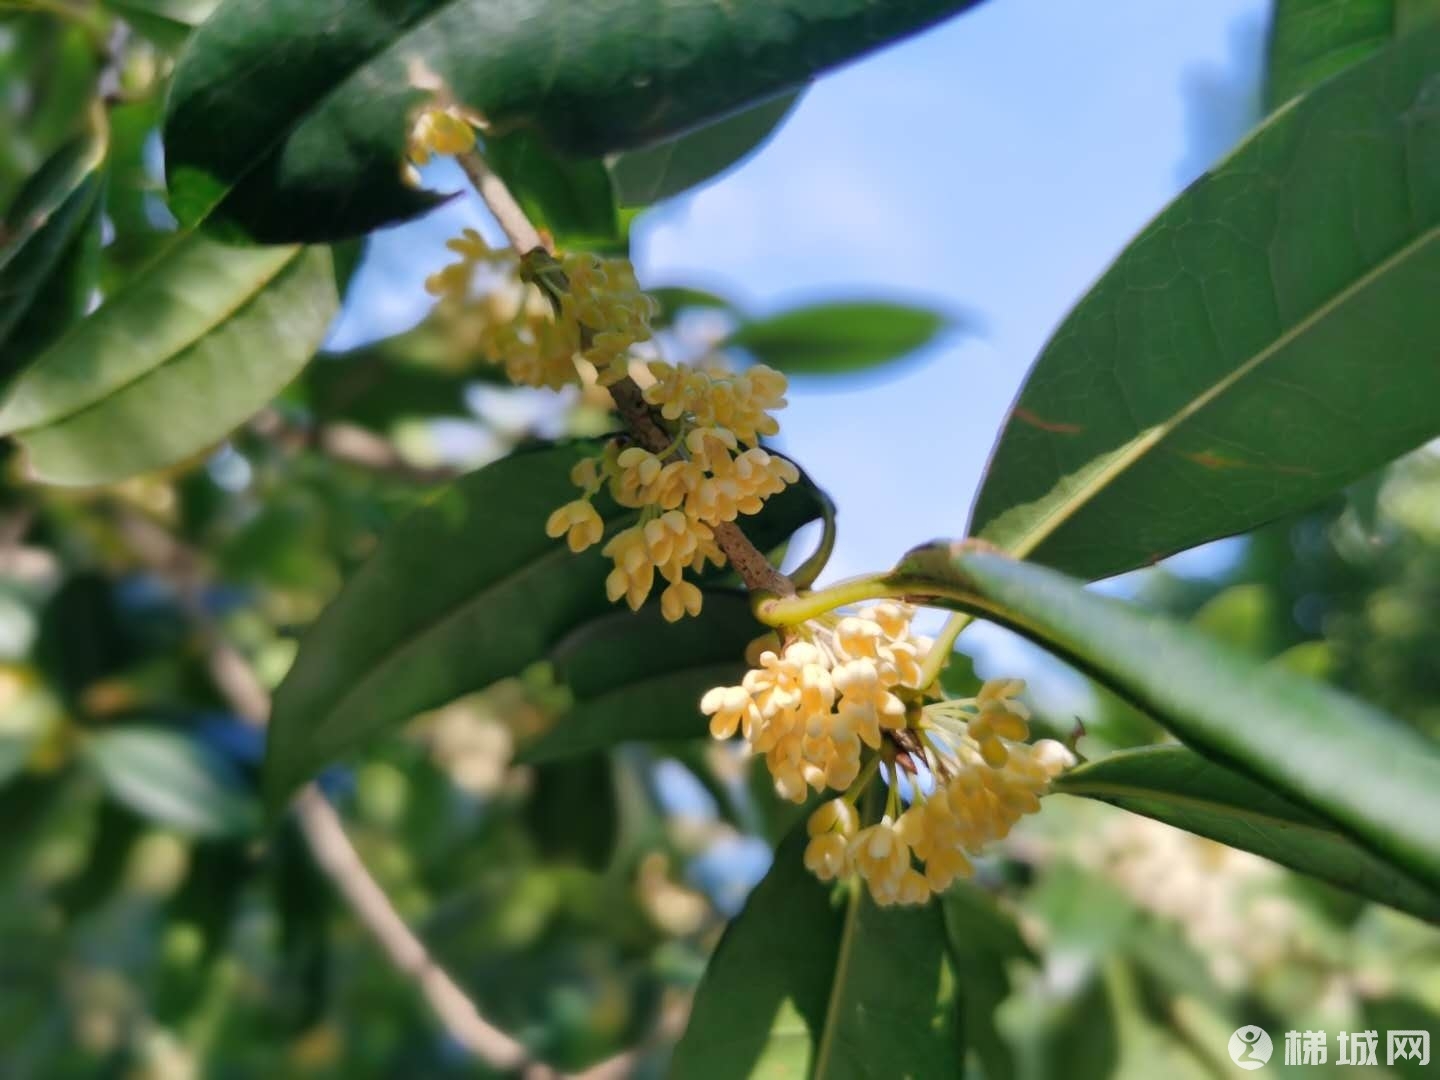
[(1375, 779), (313, 98), (1177, 786), (200, 341), (569, 197), (983, 941), (466, 591), (1265, 341), (635, 676), (1311, 40), (839, 338), (166, 22), (171, 779), (49, 246), (674, 299), (813, 982), (657, 172), (422, 372)]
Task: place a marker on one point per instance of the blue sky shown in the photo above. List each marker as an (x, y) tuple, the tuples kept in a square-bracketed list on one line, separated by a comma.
[(991, 167)]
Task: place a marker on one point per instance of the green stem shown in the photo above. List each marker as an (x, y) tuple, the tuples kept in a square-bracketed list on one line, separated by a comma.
[(783, 611), (943, 648), (805, 574)]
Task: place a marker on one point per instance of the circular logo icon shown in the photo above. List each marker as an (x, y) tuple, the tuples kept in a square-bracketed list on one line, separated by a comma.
[(1250, 1047)]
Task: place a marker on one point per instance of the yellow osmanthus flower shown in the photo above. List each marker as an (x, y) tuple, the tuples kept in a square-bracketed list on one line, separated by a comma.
[(810, 707), (580, 329), (813, 708), (438, 130)]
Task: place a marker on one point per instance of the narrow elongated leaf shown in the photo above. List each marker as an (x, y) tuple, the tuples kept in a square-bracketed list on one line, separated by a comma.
[(49, 242), (1179, 787), (635, 676), (810, 981), (313, 98), (1349, 763), (198, 343), (462, 593), (984, 941), (1311, 40), (173, 780), (1266, 340), (668, 168), (839, 338)]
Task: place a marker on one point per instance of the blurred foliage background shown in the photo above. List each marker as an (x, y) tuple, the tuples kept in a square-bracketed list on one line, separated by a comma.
[(149, 927)]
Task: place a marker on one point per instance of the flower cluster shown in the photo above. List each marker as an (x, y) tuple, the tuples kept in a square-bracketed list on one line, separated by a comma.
[(438, 129), (510, 322), (712, 473), (810, 707), (844, 683)]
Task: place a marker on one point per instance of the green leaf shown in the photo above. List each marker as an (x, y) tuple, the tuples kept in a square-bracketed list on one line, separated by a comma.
[(49, 247), (199, 342), (1311, 40), (171, 779), (1345, 761), (635, 676), (1265, 341), (423, 372), (1177, 786), (168, 23), (983, 941), (313, 99), (840, 338), (464, 592), (810, 981), (572, 198), (668, 168)]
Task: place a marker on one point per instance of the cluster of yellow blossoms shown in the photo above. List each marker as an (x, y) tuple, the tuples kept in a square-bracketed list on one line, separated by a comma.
[(840, 684), (845, 682), (712, 472)]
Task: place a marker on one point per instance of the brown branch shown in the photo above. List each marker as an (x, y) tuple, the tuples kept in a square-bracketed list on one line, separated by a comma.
[(639, 419), (319, 823)]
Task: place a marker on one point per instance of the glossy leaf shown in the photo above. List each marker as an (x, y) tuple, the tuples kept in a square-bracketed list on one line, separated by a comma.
[(1179, 787), (635, 676), (49, 244), (668, 168), (841, 338), (168, 23), (810, 981), (313, 98), (572, 198), (1265, 341), (198, 343), (460, 594), (1311, 40), (984, 941), (172, 780), (1349, 763)]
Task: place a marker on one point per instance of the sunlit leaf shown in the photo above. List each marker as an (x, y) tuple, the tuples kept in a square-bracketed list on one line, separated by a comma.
[(668, 168), (198, 342), (1311, 40), (1343, 761), (313, 98), (1265, 341), (839, 338), (467, 591), (810, 981), (49, 246), (1179, 787), (171, 779)]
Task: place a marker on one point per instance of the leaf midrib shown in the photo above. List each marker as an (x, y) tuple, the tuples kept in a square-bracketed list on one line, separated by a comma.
[(1153, 436), (837, 986), (226, 314)]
